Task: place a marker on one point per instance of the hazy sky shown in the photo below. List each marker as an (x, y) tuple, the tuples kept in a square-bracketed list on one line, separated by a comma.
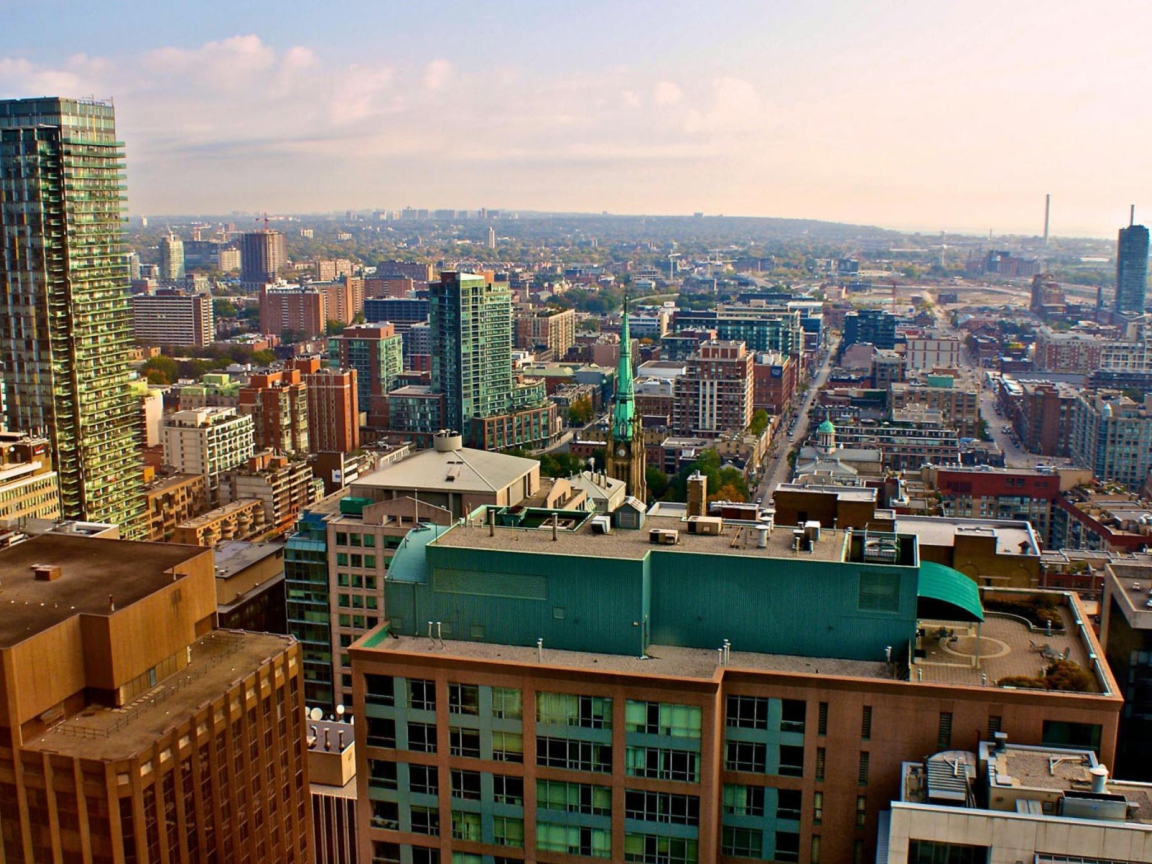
[(928, 115)]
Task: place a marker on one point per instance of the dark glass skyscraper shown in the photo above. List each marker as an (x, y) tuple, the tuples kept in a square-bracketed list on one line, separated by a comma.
[(1131, 269), (65, 319)]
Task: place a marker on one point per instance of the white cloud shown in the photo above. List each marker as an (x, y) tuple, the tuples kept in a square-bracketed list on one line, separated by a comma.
[(667, 93), (736, 105), (437, 74)]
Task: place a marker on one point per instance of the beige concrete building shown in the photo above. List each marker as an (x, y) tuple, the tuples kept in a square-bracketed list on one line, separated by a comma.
[(173, 500), (284, 486), (28, 485), (207, 441), (240, 520), (131, 729)]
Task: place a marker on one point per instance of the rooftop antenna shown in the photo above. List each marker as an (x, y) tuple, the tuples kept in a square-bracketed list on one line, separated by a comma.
[(1132, 216)]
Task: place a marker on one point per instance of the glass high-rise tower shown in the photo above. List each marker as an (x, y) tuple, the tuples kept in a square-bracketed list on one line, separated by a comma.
[(65, 319), (470, 318), (1131, 269)]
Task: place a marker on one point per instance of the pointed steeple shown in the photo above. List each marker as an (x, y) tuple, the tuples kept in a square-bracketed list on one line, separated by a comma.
[(624, 407)]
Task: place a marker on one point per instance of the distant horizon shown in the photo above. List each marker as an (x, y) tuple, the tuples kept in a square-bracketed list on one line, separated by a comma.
[(340, 213)]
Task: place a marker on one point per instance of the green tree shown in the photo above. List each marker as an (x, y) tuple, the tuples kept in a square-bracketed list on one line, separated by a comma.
[(656, 481), (334, 328), (759, 422), (263, 358), (580, 411), (161, 369)]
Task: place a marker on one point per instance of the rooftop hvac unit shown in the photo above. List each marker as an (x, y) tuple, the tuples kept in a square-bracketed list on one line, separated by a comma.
[(664, 536), (601, 524), (812, 530), (705, 525)]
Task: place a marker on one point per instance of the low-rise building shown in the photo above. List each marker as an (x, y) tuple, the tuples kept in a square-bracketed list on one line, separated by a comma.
[(171, 316), (1099, 517), (1112, 436), (28, 485), (958, 402), (284, 486), (207, 441), (1016, 494), (332, 771), (172, 500), (250, 586), (238, 520), (1006, 803)]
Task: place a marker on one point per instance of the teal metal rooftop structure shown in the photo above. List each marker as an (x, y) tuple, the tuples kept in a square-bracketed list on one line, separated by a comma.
[(847, 595)]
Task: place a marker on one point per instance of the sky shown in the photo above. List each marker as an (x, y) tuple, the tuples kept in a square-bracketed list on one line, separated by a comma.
[(937, 115)]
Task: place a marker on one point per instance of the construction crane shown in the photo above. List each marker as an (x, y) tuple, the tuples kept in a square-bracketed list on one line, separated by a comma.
[(671, 257), (263, 219)]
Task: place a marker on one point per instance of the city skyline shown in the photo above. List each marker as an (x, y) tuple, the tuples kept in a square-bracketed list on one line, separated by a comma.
[(904, 117)]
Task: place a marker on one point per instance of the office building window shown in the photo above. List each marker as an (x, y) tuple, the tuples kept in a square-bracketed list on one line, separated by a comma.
[(653, 849), (507, 703), (422, 737), (421, 694), (573, 797), (662, 807), (743, 800), (565, 709), (747, 712), (465, 784), (658, 718), (573, 755), (866, 723), (463, 699), (742, 842), (423, 779)]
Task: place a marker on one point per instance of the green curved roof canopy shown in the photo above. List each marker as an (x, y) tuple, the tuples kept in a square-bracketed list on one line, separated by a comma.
[(947, 594), (826, 426)]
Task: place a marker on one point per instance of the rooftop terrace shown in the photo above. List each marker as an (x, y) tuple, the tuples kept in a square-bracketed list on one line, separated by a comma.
[(739, 540)]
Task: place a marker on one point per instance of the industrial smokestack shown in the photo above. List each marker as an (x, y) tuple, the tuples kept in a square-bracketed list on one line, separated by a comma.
[(1132, 216), (1047, 210)]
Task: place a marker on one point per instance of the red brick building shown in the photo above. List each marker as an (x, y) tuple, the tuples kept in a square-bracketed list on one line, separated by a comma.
[(773, 382), (278, 404)]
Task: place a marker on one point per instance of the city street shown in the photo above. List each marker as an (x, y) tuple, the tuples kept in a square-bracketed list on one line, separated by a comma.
[(776, 468)]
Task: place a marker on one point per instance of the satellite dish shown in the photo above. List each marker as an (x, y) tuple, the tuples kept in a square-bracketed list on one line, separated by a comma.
[(339, 710), (316, 714)]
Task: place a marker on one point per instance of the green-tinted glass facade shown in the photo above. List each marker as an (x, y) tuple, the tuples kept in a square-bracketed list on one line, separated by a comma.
[(309, 613), (471, 325), (66, 323)]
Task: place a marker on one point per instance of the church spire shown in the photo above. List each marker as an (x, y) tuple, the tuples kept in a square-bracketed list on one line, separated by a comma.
[(624, 408)]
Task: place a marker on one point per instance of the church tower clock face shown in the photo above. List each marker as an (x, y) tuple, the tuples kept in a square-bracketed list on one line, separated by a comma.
[(621, 452)]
